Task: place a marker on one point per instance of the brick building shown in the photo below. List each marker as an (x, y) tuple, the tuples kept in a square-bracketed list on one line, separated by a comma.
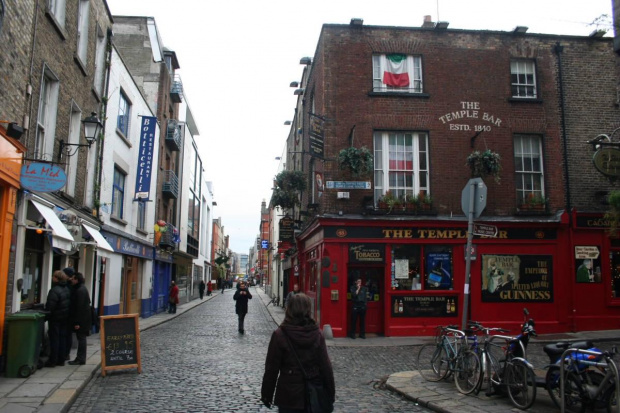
[(423, 100)]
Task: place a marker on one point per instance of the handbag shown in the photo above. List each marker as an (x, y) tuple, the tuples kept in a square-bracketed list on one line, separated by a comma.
[(316, 398)]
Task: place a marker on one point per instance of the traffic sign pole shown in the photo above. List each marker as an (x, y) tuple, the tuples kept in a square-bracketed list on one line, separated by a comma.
[(470, 238)]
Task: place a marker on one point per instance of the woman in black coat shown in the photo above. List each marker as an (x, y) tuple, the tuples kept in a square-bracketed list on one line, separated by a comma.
[(242, 295), (80, 316), (282, 372)]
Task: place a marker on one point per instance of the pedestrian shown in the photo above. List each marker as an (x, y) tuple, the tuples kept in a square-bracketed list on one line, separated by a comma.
[(223, 285), (79, 316), (297, 338), (57, 304), (69, 272), (292, 293), (242, 295), (173, 297), (358, 298), (209, 288), (201, 288)]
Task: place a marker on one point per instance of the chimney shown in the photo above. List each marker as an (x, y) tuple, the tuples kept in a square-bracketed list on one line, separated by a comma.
[(428, 23)]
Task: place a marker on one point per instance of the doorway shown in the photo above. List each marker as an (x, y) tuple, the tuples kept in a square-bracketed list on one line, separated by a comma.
[(373, 280)]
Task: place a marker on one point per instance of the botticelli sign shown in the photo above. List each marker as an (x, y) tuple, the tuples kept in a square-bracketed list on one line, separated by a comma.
[(120, 343), (607, 161)]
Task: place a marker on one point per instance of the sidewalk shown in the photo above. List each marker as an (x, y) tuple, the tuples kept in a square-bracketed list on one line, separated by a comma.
[(50, 390)]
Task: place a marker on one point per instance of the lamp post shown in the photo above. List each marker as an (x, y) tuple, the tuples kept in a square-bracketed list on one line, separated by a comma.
[(92, 127)]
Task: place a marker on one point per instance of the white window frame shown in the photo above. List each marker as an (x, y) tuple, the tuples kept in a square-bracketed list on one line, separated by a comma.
[(57, 8), (71, 152), (410, 181), (124, 111), (82, 30), (46, 115), (118, 193), (523, 79), (100, 49), (414, 69), (529, 167)]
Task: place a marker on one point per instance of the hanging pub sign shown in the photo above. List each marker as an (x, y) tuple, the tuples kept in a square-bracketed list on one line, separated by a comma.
[(517, 278), (317, 136), (287, 229), (145, 158), (42, 177), (607, 161), (366, 253)]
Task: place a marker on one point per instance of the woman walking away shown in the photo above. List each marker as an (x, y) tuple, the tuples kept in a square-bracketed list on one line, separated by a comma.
[(297, 341), (173, 297)]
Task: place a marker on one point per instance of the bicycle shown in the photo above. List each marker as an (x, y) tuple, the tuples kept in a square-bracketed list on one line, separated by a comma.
[(450, 354), (505, 367), (583, 388), (275, 301)]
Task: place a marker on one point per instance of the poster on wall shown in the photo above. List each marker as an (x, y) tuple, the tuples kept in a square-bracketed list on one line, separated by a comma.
[(424, 306), (517, 278), (588, 264), (439, 271)]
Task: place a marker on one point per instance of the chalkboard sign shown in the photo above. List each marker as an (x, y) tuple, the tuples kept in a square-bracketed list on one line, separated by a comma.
[(120, 343)]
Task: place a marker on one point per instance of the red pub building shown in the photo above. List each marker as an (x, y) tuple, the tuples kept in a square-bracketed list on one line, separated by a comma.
[(431, 105)]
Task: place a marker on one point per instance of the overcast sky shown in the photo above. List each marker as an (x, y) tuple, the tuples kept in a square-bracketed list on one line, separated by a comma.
[(238, 58)]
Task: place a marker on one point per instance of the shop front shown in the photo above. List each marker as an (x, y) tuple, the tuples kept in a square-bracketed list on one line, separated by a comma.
[(162, 275), (414, 271)]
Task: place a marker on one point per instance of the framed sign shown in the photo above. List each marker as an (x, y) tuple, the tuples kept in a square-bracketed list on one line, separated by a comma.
[(120, 343)]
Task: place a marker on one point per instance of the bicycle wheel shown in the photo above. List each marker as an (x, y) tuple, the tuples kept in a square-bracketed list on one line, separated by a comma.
[(433, 362), (468, 372), (573, 400), (521, 384), (552, 384), (611, 400)]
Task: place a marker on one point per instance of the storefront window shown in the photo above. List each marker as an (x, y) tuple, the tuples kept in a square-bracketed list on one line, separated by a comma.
[(438, 275), (33, 263), (615, 274), (406, 268)]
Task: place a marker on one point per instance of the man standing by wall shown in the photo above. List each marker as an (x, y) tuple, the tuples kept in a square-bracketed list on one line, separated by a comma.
[(358, 298)]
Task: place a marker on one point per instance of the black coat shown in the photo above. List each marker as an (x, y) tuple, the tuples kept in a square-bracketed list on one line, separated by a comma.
[(282, 372), (241, 305), (80, 309), (58, 303)]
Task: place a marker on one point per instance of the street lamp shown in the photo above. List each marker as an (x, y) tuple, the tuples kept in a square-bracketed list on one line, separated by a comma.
[(92, 127)]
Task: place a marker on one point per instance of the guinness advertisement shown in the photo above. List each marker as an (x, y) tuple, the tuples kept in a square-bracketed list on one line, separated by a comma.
[(366, 253), (517, 278)]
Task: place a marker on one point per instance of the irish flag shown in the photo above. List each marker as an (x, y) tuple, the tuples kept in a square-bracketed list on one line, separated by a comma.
[(395, 73)]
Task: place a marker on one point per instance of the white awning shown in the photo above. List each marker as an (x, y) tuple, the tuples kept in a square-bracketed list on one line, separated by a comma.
[(99, 239), (59, 231)]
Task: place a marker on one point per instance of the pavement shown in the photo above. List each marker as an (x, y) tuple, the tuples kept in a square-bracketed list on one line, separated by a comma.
[(51, 390)]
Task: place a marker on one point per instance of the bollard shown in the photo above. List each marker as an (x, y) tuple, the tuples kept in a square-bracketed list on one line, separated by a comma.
[(327, 332)]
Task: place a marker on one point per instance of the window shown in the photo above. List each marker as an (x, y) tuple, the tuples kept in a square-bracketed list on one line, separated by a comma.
[(529, 168), (71, 152), (82, 30), (57, 9), (436, 272), (124, 107), (99, 61), (46, 116), (141, 221), (397, 73), (118, 193), (401, 163), (523, 78), (193, 206)]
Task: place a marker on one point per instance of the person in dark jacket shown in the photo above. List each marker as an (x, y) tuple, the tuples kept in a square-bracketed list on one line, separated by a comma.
[(358, 298), (282, 372), (79, 317), (242, 295), (57, 304), (201, 288), (173, 297), (69, 272)]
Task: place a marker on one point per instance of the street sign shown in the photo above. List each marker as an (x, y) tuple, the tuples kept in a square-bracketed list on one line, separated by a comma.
[(264, 244), (479, 194), (485, 230), (473, 252)]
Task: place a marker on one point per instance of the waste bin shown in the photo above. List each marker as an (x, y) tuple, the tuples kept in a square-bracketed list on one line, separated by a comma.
[(24, 342)]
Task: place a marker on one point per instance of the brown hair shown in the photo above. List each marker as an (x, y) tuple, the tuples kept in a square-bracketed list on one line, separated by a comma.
[(298, 311), (60, 275)]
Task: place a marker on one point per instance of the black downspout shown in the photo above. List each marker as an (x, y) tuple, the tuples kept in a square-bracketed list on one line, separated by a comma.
[(558, 49)]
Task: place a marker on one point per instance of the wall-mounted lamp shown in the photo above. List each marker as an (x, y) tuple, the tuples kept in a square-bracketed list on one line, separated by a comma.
[(13, 130), (287, 122), (305, 61), (294, 84), (92, 127), (298, 92)]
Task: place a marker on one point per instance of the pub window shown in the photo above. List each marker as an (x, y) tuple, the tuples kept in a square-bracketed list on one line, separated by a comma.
[(406, 264), (615, 274), (434, 274), (438, 265), (523, 78)]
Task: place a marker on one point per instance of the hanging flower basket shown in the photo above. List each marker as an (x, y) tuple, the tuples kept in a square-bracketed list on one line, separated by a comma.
[(483, 164), (288, 186), (357, 160)]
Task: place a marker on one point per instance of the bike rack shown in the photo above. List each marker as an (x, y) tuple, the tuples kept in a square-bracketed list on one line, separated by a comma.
[(591, 363)]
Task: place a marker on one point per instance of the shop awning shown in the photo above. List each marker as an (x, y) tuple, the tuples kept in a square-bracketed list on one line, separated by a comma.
[(99, 239), (61, 238)]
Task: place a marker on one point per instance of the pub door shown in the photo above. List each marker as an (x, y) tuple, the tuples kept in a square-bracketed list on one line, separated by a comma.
[(373, 280)]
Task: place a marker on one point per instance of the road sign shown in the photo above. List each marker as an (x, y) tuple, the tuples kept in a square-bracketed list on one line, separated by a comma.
[(485, 230), (479, 194)]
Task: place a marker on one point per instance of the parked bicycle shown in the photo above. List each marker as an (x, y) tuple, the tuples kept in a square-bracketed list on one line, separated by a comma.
[(275, 301), (450, 354), (504, 367)]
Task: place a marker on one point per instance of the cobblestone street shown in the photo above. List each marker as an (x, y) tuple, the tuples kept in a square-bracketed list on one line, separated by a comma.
[(199, 363)]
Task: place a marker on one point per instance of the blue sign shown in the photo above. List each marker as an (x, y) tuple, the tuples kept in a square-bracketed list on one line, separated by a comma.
[(145, 157), (128, 247), (264, 244), (348, 185), (42, 177)]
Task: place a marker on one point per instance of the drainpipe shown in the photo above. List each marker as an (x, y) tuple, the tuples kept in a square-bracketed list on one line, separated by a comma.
[(558, 49)]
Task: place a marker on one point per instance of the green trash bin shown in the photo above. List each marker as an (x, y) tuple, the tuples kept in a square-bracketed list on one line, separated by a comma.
[(24, 343)]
